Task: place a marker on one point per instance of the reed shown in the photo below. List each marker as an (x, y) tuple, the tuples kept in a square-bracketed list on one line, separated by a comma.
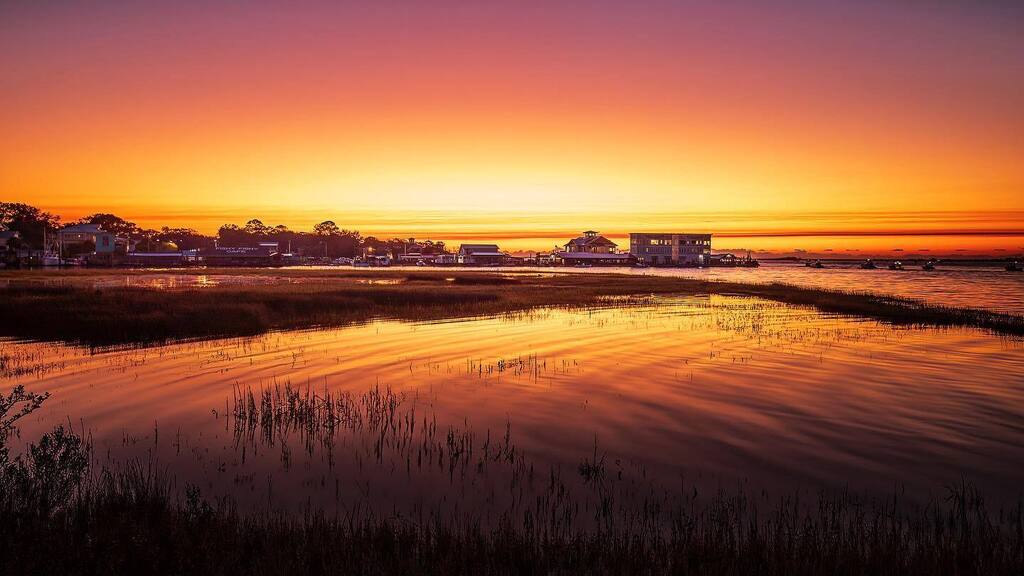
[(59, 516), (78, 313)]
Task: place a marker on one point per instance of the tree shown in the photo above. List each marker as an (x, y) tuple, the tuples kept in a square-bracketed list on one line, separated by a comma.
[(326, 228), (115, 225), (256, 227), (185, 238), (29, 221)]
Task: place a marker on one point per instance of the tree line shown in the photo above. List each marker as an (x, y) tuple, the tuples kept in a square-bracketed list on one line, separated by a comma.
[(325, 239)]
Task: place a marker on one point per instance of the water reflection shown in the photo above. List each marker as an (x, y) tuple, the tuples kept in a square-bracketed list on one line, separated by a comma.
[(715, 390), (985, 287)]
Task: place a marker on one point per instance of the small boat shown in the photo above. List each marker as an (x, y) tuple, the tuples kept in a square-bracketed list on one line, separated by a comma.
[(1014, 267), (896, 265), (815, 264), (928, 266), (868, 264)]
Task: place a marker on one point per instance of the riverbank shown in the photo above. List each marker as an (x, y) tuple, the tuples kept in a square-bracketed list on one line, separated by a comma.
[(90, 307)]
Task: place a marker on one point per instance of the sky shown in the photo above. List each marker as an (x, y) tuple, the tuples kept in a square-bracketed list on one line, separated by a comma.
[(782, 127)]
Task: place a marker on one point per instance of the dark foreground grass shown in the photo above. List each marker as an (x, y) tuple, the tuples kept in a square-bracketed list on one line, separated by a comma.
[(76, 312), (60, 516), (130, 523), (56, 517)]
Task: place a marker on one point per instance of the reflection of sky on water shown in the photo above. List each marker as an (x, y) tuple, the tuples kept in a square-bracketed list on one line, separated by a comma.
[(716, 389)]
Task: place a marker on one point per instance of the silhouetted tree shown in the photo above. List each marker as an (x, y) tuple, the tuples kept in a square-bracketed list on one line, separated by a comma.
[(115, 225), (29, 221)]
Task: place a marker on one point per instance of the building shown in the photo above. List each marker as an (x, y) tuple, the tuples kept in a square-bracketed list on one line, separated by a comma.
[(480, 255), (90, 244), (9, 237), (242, 256), (591, 243), (671, 249), (594, 259), (156, 259), (91, 238), (592, 249)]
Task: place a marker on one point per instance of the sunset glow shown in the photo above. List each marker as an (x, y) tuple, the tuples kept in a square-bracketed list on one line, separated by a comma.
[(803, 126)]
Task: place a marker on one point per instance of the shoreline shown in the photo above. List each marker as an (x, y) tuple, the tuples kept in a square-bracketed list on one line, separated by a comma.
[(75, 310)]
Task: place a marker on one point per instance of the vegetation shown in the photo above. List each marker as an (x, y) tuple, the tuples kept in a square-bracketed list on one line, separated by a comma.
[(61, 516), (76, 312), (326, 239)]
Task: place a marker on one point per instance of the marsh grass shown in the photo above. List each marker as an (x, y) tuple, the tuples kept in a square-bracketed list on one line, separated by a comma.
[(77, 313), (59, 516)]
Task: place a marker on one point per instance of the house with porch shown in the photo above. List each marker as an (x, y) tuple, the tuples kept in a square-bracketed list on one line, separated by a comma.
[(593, 249)]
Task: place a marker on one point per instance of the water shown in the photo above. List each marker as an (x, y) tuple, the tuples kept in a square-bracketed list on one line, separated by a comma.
[(987, 288), (698, 391)]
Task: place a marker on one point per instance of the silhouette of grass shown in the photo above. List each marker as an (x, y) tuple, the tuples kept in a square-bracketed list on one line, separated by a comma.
[(74, 311), (59, 517)]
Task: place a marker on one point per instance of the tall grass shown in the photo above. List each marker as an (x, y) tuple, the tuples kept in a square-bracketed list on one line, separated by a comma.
[(81, 314), (59, 516)]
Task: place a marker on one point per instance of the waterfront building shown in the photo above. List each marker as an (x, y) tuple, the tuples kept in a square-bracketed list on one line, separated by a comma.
[(592, 249), (480, 255), (91, 238), (242, 256), (8, 237), (591, 242), (667, 249)]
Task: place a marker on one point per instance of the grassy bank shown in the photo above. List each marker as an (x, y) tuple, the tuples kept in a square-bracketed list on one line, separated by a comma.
[(75, 311)]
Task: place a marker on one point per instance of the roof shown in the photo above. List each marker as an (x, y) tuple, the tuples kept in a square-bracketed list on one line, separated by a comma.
[(83, 229), (590, 240), (479, 249), (485, 254), (687, 234)]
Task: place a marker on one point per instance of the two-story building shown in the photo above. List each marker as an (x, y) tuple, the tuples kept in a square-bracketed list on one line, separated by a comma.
[(667, 249), (592, 249)]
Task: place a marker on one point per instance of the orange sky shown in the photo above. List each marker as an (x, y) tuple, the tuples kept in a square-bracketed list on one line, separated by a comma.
[(526, 121)]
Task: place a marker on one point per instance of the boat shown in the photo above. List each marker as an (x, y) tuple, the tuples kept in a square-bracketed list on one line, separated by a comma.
[(815, 264), (896, 265), (1014, 267), (928, 266), (868, 264)]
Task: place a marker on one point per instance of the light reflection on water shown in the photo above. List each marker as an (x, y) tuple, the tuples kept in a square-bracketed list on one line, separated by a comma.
[(984, 287), (716, 389)]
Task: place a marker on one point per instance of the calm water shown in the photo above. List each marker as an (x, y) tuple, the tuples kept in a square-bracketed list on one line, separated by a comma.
[(697, 391), (989, 288)]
